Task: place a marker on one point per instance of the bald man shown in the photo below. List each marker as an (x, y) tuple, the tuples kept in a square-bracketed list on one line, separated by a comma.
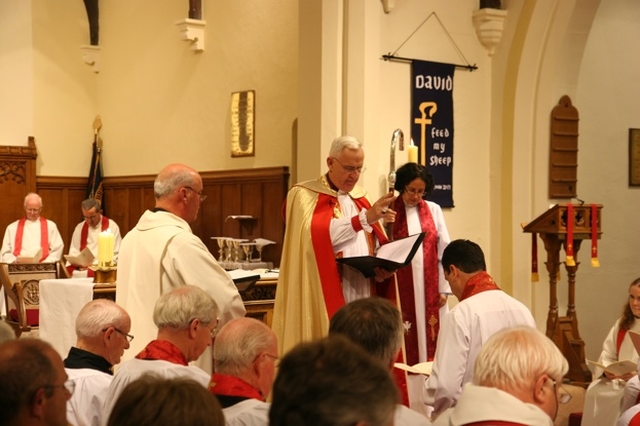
[(161, 253)]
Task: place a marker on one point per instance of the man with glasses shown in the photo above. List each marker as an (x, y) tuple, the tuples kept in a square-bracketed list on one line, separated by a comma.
[(161, 253), (326, 218), (102, 329), (516, 381), (33, 383), (186, 319), (85, 235), (26, 236), (244, 355)]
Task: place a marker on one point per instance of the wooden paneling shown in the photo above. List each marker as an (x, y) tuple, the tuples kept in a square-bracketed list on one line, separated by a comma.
[(257, 192), (17, 179)]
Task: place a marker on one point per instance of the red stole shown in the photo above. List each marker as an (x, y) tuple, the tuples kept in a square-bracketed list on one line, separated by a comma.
[(222, 384), (44, 237), (478, 283), (85, 231), (430, 286), (163, 350), (323, 249)]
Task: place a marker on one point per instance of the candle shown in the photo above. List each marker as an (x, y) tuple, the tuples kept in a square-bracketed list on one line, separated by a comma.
[(413, 153), (105, 248)]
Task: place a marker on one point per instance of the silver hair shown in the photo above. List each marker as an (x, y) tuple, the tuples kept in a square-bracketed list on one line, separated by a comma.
[(182, 305), (343, 142), (32, 194), (167, 184), (6, 332), (514, 358), (90, 203), (238, 343), (97, 315)]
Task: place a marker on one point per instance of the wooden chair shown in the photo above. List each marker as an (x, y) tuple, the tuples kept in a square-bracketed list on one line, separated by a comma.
[(21, 283)]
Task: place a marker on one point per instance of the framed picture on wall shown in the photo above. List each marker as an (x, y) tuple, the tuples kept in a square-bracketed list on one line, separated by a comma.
[(634, 157), (242, 123)]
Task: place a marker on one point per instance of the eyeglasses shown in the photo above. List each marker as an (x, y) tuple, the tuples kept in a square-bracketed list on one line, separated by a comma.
[(126, 336), (274, 357), (563, 396), (68, 385), (202, 197), (351, 169), (414, 191)]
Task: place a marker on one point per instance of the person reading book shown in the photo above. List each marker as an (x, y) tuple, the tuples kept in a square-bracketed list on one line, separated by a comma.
[(327, 218), (85, 236), (602, 401)]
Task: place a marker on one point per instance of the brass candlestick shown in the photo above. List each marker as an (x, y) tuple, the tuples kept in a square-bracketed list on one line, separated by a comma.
[(105, 274)]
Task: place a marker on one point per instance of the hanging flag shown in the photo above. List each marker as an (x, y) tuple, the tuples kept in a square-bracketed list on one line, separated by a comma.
[(94, 185), (432, 124)]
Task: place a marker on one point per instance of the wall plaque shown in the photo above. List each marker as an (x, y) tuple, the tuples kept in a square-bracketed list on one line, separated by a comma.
[(634, 157), (242, 123)]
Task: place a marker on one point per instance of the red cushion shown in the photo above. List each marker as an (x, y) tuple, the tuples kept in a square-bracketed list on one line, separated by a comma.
[(575, 419), (33, 316)]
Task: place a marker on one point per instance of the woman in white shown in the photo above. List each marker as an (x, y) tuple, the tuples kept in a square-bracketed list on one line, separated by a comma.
[(604, 395)]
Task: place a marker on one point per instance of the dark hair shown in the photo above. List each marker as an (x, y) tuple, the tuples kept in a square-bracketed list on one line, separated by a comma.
[(332, 382), (158, 401), (373, 323), (464, 255), (628, 318), (24, 368), (407, 173)]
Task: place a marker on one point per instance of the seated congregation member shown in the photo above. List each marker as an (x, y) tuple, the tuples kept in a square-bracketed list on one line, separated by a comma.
[(27, 235), (516, 380), (102, 329), (33, 384), (602, 403), (483, 310), (85, 235), (332, 381), (244, 355), (186, 319), (376, 325), (159, 401)]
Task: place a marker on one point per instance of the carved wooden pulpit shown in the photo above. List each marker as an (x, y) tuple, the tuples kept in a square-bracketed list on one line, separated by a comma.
[(552, 228)]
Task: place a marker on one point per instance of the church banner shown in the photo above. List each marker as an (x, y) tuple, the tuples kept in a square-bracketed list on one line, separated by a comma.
[(432, 124)]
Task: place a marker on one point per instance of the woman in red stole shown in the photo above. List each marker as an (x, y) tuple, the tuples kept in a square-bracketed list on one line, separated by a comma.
[(422, 287)]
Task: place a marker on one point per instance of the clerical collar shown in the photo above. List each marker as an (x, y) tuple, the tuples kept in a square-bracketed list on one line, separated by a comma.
[(159, 209), (79, 358), (331, 184)]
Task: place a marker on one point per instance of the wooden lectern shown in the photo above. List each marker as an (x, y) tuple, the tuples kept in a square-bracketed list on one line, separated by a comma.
[(552, 228)]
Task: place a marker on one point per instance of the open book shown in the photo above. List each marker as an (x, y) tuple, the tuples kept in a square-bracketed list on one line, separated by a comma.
[(619, 368), (82, 260), (419, 368), (244, 280), (391, 256), (35, 258)]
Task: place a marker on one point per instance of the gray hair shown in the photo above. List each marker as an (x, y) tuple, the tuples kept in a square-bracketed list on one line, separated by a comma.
[(167, 183), (32, 195), (182, 305), (97, 315), (514, 358), (343, 142), (90, 203), (6, 332), (238, 343)]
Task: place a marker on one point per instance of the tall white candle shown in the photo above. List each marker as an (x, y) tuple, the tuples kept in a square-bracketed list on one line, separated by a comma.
[(413, 153), (105, 248)]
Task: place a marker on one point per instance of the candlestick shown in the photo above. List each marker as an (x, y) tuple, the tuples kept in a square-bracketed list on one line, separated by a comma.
[(105, 248), (413, 153)]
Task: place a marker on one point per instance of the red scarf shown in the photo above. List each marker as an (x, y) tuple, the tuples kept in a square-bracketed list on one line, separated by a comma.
[(222, 384), (163, 350), (430, 285), (478, 283), (85, 231), (44, 237), (324, 211)]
